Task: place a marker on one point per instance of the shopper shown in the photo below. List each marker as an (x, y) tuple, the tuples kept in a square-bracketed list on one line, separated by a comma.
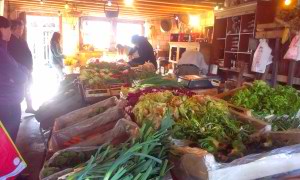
[(19, 50), (57, 55), (145, 51), (13, 77), (192, 62)]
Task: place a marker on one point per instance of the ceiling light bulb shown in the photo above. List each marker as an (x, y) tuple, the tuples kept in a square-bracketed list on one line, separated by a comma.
[(287, 2), (42, 2), (67, 5), (194, 20), (176, 18), (128, 2), (109, 3), (216, 8)]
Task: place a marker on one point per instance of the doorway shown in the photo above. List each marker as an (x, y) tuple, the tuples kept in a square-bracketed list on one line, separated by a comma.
[(39, 33)]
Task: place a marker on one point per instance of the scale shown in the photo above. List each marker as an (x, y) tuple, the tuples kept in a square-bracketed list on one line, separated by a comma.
[(196, 82)]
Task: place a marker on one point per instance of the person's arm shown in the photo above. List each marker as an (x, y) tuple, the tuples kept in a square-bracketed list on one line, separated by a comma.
[(30, 59), (56, 50), (14, 71), (132, 51)]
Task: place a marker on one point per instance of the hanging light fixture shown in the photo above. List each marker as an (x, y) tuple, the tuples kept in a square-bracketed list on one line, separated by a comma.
[(287, 2), (128, 2), (67, 6), (218, 7)]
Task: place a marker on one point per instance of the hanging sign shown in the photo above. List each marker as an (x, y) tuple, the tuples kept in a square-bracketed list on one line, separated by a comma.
[(11, 162)]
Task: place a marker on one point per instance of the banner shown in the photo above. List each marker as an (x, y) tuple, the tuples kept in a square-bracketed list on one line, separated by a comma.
[(11, 162)]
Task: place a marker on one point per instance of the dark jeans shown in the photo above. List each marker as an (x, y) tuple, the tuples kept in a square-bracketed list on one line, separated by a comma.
[(10, 116)]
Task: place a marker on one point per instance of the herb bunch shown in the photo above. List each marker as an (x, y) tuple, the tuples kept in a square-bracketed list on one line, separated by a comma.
[(142, 158)]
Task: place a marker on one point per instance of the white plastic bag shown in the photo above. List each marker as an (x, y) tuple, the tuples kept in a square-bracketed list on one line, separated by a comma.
[(83, 113), (262, 57), (294, 49)]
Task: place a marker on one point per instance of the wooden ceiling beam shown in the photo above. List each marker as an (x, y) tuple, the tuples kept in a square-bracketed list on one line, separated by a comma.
[(128, 13), (87, 9), (121, 3)]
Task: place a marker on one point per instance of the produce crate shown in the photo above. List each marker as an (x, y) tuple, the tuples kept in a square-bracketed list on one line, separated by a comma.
[(197, 164), (95, 95), (227, 95), (208, 92)]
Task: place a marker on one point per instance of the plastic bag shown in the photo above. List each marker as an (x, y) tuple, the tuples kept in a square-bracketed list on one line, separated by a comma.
[(123, 130), (294, 49), (85, 128), (61, 104), (277, 163), (83, 113), (262, 57), (55, 163)]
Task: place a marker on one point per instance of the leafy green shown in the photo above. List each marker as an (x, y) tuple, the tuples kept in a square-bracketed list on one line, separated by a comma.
[(264, 101), (204, 121), (142, 158)]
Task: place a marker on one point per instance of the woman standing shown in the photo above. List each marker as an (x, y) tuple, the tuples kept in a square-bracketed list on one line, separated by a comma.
[(13, 77), (57, 56)]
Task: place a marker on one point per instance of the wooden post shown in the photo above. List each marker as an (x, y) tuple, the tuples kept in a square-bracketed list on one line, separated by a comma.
[(292, 67), (264, 75), (275, 63), (241, 73)]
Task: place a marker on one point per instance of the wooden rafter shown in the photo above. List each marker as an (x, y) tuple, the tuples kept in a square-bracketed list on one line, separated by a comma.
[(141, 8)]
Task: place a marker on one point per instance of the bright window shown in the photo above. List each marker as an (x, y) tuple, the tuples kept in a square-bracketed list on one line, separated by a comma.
[(97, 33), (126, 30)]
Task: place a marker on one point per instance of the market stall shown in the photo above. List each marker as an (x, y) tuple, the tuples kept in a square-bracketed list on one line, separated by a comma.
[(225, 107)]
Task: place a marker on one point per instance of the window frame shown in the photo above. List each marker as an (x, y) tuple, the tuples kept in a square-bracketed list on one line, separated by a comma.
[(113, 22)]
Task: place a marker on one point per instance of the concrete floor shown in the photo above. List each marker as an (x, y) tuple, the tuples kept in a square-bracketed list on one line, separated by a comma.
[(31, 147)]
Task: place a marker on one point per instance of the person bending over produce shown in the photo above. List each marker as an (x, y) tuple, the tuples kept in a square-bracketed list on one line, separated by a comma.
[(124, 51), (192, 62), (13, 77), (145, 51)]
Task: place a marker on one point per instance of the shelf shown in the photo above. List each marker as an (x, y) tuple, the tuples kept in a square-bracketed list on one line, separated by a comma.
[(232, 34), (221, 39), (235, 52), (246, 33), (236, 71)]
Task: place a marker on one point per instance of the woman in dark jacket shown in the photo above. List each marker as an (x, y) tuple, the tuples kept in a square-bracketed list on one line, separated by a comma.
[(13, 77), (57, 56)]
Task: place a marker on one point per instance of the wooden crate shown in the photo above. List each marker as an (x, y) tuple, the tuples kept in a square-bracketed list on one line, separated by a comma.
[(195, 163), (227, 95), (96, 95), (208, 92)]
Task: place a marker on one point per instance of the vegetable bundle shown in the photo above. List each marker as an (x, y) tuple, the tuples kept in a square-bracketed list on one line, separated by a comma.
[(283, 102), (264, 100), (102, 74), (143, 158), (204, 121)]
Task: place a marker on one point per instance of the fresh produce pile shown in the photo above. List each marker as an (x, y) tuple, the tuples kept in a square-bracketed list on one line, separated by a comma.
[(205, 121), (66, 159), (102, 74), (133, 98), (144, 157), (264, 100), (144, 71), (156, 81)]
